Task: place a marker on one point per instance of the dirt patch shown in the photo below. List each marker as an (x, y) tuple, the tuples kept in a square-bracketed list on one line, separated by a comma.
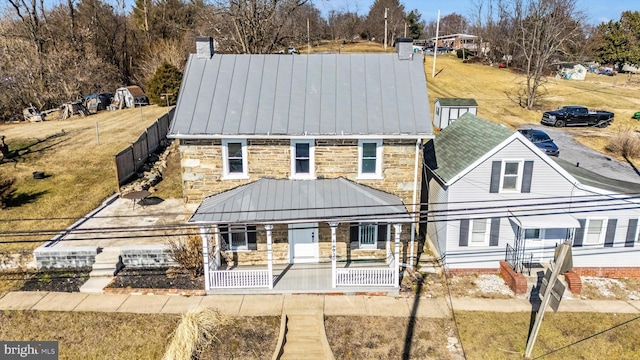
[(388, 338), (595, 288), (157, 278), (434, 285), (60, 280), (245, 338)]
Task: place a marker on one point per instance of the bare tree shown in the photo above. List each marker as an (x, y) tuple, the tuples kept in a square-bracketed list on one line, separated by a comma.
[(256, 25), (376, 18)]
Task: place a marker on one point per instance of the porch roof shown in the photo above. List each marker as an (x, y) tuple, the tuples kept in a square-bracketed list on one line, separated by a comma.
[(558, 220), (269, 201)]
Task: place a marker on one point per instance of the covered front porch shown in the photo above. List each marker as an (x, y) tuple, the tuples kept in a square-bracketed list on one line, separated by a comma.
[(289, 244)]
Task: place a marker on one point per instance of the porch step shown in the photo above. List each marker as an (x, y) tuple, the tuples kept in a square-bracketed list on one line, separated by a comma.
[(306, 338), (429, 264), (103, 270)]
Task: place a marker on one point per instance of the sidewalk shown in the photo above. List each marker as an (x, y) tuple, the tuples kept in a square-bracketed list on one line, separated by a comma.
[(275, 305)]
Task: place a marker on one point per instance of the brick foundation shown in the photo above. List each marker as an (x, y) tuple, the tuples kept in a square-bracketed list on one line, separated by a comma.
[(574, 282), (610, 272), (515, 281)]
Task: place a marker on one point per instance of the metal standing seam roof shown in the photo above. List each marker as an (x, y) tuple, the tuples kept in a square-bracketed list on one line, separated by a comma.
[(291, 201), (461, 143), (596, 180), (456, 102), (298, 95)]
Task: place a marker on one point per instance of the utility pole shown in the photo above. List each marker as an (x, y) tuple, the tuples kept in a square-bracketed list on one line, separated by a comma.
[(308, 39), (385, 28), (435, 46)]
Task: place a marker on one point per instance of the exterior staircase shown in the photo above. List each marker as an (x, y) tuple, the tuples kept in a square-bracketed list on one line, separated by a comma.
[(303, 338), (104, 269)]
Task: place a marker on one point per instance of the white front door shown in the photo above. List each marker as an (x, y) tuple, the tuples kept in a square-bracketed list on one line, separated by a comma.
[(303, 243), (534, 245)]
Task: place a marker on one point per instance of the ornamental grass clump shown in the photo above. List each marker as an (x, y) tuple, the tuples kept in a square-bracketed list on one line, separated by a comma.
[(625, 143), (195, 332)]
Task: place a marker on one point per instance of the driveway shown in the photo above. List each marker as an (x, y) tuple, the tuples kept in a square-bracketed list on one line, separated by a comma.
[(575, 153)]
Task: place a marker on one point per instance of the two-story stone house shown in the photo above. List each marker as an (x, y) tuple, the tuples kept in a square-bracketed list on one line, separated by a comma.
[(302, 159)]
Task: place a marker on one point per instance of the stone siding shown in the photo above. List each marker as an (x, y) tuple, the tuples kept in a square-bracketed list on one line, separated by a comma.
[(202, 168), (60, 257)]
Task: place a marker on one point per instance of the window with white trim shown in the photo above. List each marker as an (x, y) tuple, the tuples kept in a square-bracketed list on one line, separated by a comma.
[(594, 232), (479, 232), (532, 234), (234, 159), (302, 159), (238, 239), (511, 177), (370, 159), (367, 235)]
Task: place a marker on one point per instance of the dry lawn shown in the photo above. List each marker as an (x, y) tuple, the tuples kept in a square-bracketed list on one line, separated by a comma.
[(375, 337), (339, 47), (496, 335), (77, 156), (84, 335)]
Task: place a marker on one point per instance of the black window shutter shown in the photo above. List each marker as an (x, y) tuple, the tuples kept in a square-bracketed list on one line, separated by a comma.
[(494, 234), (382, 236), (579, 235), (611, 232), (526, 176), (631, 233), (224, 233), (464, 232), (252, 238), (496, 168), (353, 232)]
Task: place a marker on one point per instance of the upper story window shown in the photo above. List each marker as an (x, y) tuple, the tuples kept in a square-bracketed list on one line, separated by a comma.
[(511, 176), (234, 159), (370, 159), (302, 159)]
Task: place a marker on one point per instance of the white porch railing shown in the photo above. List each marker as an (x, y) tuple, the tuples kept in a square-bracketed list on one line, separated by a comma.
[(239, 278), (365, 277)]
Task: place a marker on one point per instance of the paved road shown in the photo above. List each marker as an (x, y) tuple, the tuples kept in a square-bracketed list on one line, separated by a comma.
[(573, 152)]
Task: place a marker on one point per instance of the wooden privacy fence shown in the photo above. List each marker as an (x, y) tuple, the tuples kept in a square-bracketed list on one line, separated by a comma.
[(131, 159)]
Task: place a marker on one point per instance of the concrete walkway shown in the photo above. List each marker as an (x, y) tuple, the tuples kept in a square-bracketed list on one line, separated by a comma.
[(275, 305)]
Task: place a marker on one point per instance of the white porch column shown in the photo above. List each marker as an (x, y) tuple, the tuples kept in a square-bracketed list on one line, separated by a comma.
[(216, 237), (333, 226), (205, 234), (397, 228), (269, 229)]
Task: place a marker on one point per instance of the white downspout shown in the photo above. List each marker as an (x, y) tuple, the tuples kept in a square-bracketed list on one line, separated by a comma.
[(415, 201)]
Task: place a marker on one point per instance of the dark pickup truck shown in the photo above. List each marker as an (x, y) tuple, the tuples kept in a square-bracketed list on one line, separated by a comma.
[(577, 116)]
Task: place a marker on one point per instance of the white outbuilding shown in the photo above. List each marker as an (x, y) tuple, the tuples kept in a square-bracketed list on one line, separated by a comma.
[(446, 110)]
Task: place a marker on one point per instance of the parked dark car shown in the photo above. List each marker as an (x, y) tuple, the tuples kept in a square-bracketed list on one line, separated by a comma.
[(540, 139), (577, 116)]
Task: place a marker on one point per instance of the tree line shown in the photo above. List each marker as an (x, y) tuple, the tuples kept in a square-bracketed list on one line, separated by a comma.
[(55, 52)]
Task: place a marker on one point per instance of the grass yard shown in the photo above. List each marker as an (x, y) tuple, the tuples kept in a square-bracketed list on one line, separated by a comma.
[(85, 335), (78, 163), (496, 335)]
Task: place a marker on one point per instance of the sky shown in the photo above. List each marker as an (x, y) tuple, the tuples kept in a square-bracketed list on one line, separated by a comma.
[(597, 11)]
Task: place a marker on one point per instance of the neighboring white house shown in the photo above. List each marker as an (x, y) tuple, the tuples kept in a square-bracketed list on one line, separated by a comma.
[(446, 110), (572, 72), (494, 196)]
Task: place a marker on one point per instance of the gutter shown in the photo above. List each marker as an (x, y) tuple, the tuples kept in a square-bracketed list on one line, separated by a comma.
[(415, 200), (418, 137)]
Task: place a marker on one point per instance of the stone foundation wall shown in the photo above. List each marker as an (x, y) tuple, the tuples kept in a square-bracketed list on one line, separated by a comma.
[(60, 257), (138, 256), (202, 165)]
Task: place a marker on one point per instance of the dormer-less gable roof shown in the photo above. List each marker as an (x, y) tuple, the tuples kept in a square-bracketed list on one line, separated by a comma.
[(456, 102), (323, 95), (461, 144)]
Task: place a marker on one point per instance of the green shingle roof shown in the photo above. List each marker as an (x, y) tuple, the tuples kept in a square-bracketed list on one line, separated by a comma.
[(461, 143), (456, 102)]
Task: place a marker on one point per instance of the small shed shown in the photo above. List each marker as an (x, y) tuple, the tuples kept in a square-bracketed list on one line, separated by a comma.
[(128, 97), (572, 72), (446, 110)]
